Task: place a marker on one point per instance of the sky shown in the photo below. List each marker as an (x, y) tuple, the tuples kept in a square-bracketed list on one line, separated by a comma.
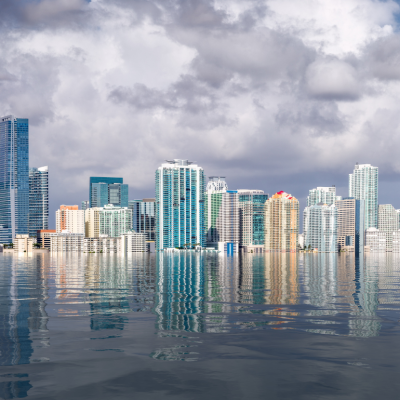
[(273, 95)]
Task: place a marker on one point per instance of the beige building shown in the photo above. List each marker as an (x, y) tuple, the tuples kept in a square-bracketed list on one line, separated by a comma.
[(66, 242), (375, 240), (281, 223), (108, 220), (70, 218), (43, 237), (23, 244), (102, 244)]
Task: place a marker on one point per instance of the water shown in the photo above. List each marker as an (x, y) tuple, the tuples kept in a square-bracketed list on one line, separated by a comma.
[(192, 326)]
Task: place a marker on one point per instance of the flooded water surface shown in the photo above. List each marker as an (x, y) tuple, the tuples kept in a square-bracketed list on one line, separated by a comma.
[(199, 326)]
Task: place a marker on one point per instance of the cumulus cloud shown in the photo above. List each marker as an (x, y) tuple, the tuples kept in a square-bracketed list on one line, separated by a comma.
[(265, 93)]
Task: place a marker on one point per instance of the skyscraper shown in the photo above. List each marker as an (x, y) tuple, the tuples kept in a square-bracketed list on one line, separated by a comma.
[(70, 218), (14, 177), (351, 224), (281, 223), (251, 206), (38, 200), (143, 217), (363, 185), (325, 195), (105, 191), (320, 228), (85, 205), (387, 222), (179, 204)]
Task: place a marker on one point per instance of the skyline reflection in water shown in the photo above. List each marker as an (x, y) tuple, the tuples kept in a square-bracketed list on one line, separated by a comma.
[(188, 292)]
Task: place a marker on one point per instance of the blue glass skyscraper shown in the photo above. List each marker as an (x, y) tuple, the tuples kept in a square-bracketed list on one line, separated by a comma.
[(38, 199), (106, 190), (14, 177), (143, 217), (179, 205)]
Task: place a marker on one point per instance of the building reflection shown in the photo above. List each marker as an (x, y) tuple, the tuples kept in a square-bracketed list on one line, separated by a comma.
[(23, 318)]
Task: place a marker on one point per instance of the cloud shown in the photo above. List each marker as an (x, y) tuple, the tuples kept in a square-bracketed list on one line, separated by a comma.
[(332, 79)]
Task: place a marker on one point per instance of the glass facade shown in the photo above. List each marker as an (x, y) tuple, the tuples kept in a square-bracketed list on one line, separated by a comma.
[(105, 191), (143, 217), (85, 205), (179, 205), (251, 205), (38, 200), (14, 177), (326, 195)]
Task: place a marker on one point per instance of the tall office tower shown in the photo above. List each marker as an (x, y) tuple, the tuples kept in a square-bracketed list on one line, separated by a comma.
[(351, 224), (251, 209), (320, 228), (14, 177), (143, 217), (281, 223), (325, 195), (38, 200), (387, 222), (179, 204), (85, 205), (71, 219), (105, 191), (363, 185), (108, 220)]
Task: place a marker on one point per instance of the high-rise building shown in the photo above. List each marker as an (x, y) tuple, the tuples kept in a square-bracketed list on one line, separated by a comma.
[(71, 219), (320, 228), (398, 219), (251, 208), (281, 223), (85, 205), (105, 191), (14, 177), (325, 195), (351, 224), (108, 220), (143, 217), (179, 204), (38, 200), (387, 222), (363, 185)]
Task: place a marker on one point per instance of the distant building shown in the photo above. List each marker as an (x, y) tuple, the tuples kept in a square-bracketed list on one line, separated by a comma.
[(179, 205), (106, 190), (351, 224), (396, 242), (14, 177), (375, 240), (24, 244), (85, 205), (71, 219), (133, 242), (325, 195), (251, 209), (320, 228), (102, 244), (64, 242), (43, 237), (38, 200), (363, 185), (108, 220), (387, 222), (281, 223), (301, 240), (143, 217)]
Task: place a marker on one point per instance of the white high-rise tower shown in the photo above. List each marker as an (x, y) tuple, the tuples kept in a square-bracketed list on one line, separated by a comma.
[(363, 185)]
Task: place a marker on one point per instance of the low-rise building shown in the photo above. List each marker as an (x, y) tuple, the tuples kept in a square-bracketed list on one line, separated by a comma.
[(23, 244), (133, 242), (43, 237), (396, 242), (375, 240), (102, 244), (66, 242)]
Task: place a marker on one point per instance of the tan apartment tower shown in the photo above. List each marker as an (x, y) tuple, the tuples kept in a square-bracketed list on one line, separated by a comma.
[(70, 218), (281, 223)]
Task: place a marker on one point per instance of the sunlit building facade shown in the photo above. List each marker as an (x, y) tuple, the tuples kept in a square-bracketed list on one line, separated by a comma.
[(71, 219), (281, 223), (320, 228), (179, 205), (14, 177), (325, 195), (375, 240), (38, 200), (387, 222), (363, 185)]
